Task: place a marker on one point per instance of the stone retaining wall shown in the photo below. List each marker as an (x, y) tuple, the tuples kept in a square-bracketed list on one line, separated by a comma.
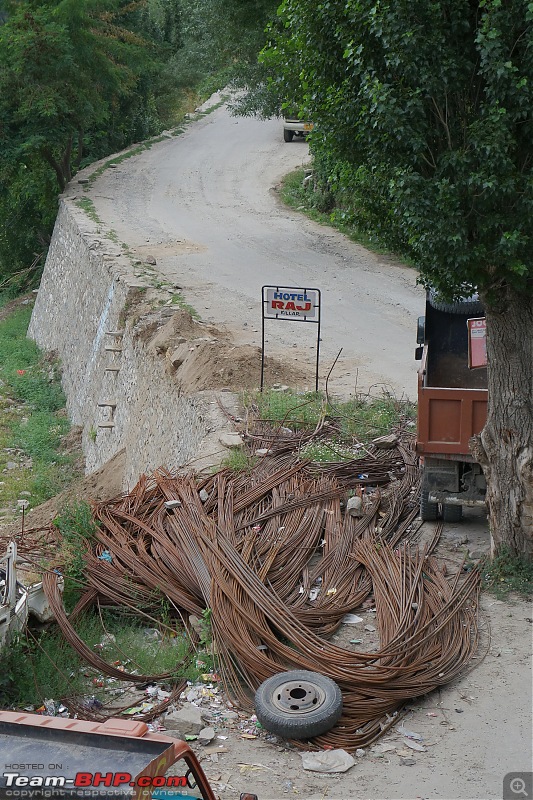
[(116, 388)]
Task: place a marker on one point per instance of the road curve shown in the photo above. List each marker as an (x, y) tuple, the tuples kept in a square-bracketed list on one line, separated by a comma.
[(204, 205)]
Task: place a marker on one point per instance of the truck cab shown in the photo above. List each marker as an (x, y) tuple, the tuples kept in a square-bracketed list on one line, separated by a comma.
[(452, 407)]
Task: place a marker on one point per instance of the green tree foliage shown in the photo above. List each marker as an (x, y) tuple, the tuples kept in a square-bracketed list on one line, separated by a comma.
[(424, 130), (77, 81), (424, 111), (220, 38)]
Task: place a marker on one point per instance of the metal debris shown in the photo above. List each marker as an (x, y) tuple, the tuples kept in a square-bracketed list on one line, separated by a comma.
[(244, 545)]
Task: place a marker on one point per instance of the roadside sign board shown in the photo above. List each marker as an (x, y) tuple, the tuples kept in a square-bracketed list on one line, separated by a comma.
[(290, 304), (477, 342), (284, 302)]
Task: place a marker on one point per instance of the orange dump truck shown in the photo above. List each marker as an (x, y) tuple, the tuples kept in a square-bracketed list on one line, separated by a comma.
[(452, 406), (112, 760)]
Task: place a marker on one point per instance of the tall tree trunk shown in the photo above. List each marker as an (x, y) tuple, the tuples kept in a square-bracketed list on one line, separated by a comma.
[(505, 446), (61, 168)]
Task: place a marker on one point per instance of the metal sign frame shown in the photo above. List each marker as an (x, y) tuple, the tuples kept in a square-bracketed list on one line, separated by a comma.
[(301, 316)]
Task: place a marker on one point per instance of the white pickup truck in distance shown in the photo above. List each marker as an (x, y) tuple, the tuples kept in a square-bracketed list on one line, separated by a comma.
[(295, 127)]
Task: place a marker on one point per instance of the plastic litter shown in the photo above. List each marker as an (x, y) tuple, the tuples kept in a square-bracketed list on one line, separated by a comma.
[(409, 734), (414, 745), (328, 761)]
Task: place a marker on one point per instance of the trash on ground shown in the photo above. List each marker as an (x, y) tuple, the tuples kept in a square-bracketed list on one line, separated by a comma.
[(409, 734), (351, 619), (327, 761)]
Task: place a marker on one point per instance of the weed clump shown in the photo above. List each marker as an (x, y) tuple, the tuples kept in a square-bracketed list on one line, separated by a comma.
[(507, 573)]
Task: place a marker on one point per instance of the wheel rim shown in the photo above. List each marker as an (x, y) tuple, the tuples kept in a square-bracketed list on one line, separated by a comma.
[(298, 697)]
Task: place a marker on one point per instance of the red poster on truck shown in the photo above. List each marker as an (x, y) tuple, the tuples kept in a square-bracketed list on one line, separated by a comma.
[(477, 342)]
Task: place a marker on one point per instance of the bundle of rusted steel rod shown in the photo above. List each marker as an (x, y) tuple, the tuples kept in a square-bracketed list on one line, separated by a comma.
[(250, 547)]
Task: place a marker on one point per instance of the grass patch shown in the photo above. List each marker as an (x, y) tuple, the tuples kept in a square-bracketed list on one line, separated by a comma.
[(178, 300), (40, 666), (87, 205), (358, 420), (507, 573), (78, 529), (239, 460), (32, 419), (326, 451)]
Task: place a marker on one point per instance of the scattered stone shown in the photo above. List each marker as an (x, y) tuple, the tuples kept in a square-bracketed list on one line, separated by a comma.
[(172, 504), (280, 387), (262, 452), (370, 628), (386, 442), (150, 260), (354, 506), (206, 735), (11, 465), (25, 494), (359, 752), (407, 762), (204, 495), (188, 720), (230, 440), (197, 625)]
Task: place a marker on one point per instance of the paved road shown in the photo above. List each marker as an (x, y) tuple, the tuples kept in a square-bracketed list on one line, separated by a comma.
[(204, 205)]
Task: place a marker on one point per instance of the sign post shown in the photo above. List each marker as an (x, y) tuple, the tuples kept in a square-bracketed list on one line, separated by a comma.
[(290, 304), (477, 342)]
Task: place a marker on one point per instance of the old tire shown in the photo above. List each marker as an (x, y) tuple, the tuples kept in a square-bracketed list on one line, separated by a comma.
[(452, 512), (298, 704), (288, 136), (468, 305), (429, 512)]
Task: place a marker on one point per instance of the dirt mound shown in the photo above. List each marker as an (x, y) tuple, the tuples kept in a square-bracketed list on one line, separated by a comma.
[(104, 484), (203, 357)]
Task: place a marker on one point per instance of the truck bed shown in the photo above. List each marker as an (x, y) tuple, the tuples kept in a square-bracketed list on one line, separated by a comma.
[(447, 417)]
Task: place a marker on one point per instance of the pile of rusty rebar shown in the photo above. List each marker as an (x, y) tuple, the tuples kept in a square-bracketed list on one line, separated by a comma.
[(250, 547)]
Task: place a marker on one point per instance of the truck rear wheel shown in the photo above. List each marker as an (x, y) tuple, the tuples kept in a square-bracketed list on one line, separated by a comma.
[(428, 511), (288, 135), (452, 513)]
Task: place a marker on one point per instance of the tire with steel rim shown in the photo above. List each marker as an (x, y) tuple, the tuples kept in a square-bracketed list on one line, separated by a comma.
[(429, 511), (298, 704)]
